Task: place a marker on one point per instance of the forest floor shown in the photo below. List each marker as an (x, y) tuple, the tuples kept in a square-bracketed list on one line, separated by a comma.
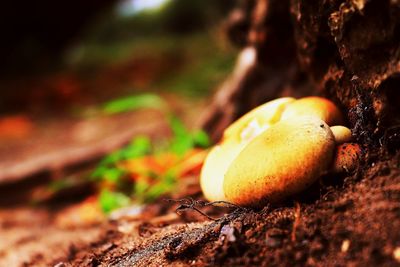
[(37, 222), (353, 222), (55, 127), (348, 220)]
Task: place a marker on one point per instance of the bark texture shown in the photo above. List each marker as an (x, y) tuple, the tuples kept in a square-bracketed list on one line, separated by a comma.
[(348, 51)]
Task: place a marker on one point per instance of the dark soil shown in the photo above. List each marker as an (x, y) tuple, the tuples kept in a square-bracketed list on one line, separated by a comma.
[(352, 221), (355, 225)]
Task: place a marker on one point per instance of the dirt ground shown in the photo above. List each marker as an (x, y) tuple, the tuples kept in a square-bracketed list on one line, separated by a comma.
[(339, 227), (341, 221)]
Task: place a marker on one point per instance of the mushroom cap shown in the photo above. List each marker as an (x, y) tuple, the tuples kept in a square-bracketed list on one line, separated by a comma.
[(235, 138), (264, 115), (280, 162), (321, 107), (214, 168), (346, 158), (342, 134)]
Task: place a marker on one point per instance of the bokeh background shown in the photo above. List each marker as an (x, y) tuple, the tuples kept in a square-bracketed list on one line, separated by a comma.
[(76, 73), (99, 104), (88, 85)]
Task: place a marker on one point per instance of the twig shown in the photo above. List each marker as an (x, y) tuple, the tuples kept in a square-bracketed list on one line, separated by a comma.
[(192, 204), (226, 203)]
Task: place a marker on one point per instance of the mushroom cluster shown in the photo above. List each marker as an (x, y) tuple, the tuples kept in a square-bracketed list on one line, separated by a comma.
[(276, 150)]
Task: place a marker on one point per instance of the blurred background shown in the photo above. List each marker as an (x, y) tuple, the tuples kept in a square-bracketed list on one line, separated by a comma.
[(72, 54), (86, 86)]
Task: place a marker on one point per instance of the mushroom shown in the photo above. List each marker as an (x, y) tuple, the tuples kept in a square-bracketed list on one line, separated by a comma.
[(215, 166), (321, 107), (281, 161), (235, 138), (256, 120), (276, 150), (342, 134)]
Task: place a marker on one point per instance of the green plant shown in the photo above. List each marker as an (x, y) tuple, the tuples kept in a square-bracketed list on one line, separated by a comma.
[(183, 139), (134, 102), (115, 180), (108, 169), (109, 200)]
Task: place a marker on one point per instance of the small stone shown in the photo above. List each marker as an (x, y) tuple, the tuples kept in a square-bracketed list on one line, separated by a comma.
[(228, 232), (345, 246), (396, 254)]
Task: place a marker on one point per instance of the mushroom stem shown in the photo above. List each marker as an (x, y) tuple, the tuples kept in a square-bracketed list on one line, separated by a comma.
[(342, 134)]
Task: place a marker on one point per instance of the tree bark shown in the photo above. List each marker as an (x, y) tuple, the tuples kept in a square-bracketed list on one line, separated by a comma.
[(348, 51)]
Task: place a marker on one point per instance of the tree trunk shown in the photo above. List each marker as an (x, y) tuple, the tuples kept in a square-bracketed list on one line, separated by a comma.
[(348, 51)]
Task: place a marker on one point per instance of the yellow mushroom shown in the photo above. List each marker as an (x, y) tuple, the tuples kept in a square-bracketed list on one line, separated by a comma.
[(280, 162), (342, 134), (215, 166), (274, 151), (235, 138), (321, 107), (257, 120)]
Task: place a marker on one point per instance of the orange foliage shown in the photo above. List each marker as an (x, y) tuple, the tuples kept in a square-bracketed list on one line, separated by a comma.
[(17, 126), (160, 164)]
